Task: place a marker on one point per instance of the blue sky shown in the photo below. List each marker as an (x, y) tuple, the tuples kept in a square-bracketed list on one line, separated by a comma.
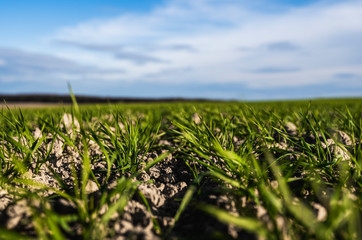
[(224, 49)]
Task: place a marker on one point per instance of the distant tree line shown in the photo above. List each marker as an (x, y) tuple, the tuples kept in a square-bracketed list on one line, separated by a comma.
[(52, 98)]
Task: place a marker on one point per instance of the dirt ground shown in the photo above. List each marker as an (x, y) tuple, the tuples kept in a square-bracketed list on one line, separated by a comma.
[(163, 185), (31, 105)]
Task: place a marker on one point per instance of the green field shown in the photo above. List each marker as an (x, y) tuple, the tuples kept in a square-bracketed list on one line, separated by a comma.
[(212, 170)]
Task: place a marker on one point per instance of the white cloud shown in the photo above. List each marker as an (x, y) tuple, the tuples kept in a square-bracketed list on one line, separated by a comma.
[(2, 62), (220, 41), (33, 67)]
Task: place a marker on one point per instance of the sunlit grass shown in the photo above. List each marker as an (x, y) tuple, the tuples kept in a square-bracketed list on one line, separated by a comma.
[(296, 181)]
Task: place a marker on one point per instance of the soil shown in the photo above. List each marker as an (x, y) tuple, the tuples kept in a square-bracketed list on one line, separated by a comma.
[(31, 105), (163, 185)]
